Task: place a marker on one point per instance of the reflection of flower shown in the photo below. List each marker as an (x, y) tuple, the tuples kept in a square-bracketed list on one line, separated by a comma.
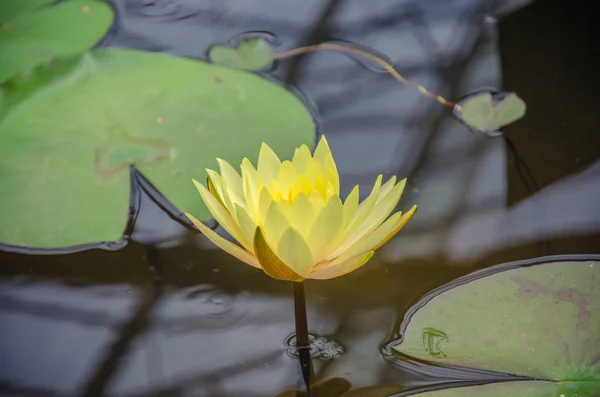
[(289, 219)]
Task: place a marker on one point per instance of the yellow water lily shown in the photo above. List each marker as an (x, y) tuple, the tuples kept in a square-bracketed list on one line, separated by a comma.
[(289, 219)]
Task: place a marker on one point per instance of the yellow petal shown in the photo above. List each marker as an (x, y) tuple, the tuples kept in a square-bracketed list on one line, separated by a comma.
[(286, 177), (363, 211), (321, 187), (350, 206), (401, 222), (386, 187), (340, 269), (303, 214), (274, 190), (211, 188), (216, 185), (301, 158), (268, 163), (322, 149), (369, 242), (383, 207), (365, 207), (379, 213), (301, 185), (316, 200), (249, 182), (326, 228), (213, 182), (226, 200), (382, 234), (233, 181), (246, 223), (270, 263), (314, 171), (264, 202), (224, 244), (213, 193), (331, 172), (286, 207), (294, 251), (324, 156), (221, 215), (275, 223)]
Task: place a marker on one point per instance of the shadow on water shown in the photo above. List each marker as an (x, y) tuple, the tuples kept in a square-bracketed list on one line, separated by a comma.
[(169, 315)]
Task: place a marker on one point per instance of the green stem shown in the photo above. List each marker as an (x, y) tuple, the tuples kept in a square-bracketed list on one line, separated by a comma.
[(302, 341)]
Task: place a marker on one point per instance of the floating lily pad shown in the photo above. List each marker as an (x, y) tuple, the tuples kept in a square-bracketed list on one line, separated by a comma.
[(540, 321), (70, 130), (253, 53), (486, 112), (34, 31), (522, 388)]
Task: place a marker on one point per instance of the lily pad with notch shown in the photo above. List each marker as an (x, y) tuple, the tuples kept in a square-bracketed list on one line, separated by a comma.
[(537, 322), (487, 112), (70, 130), (35, 31)]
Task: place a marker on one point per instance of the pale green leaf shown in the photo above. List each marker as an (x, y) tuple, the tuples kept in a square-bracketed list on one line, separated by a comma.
[(251, 54)]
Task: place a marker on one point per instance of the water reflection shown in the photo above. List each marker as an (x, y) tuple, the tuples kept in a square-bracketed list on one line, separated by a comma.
[(193, 321)]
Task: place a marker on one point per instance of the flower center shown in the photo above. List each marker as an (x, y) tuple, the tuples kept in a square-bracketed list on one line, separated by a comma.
[(301, 184)]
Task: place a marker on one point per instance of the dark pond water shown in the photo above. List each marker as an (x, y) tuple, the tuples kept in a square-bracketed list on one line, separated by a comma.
[(169, 315)]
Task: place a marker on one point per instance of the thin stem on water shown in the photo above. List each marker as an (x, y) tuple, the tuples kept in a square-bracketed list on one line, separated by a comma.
[(302, 341), (365, 54), (300, 315)]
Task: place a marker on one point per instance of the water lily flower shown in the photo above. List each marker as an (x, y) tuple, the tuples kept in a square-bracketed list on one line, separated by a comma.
[(289, 220)]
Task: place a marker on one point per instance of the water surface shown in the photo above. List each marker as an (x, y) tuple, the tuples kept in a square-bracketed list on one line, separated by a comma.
[(170, 315)]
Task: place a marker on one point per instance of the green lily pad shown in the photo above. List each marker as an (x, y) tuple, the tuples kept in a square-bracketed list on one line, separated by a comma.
[(504, 389), (540, 321), (253, 53), (32, 31), (70, 130), (484, 112)]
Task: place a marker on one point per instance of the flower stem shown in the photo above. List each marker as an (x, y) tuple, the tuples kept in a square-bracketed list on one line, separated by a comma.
[(302, 342), (367, 55), (300, 314)]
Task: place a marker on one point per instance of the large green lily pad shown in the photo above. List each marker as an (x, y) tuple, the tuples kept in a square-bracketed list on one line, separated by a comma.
[(540, 321), (70, 130), (34, 31)]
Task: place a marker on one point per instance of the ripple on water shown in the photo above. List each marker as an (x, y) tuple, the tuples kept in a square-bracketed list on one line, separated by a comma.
[(320, 347)]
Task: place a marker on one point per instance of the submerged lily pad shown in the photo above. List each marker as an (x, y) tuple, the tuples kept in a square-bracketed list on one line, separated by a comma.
[(339, 387), (70, 130), (253, 53), (540, 321), (486, 112), (34, 31)]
